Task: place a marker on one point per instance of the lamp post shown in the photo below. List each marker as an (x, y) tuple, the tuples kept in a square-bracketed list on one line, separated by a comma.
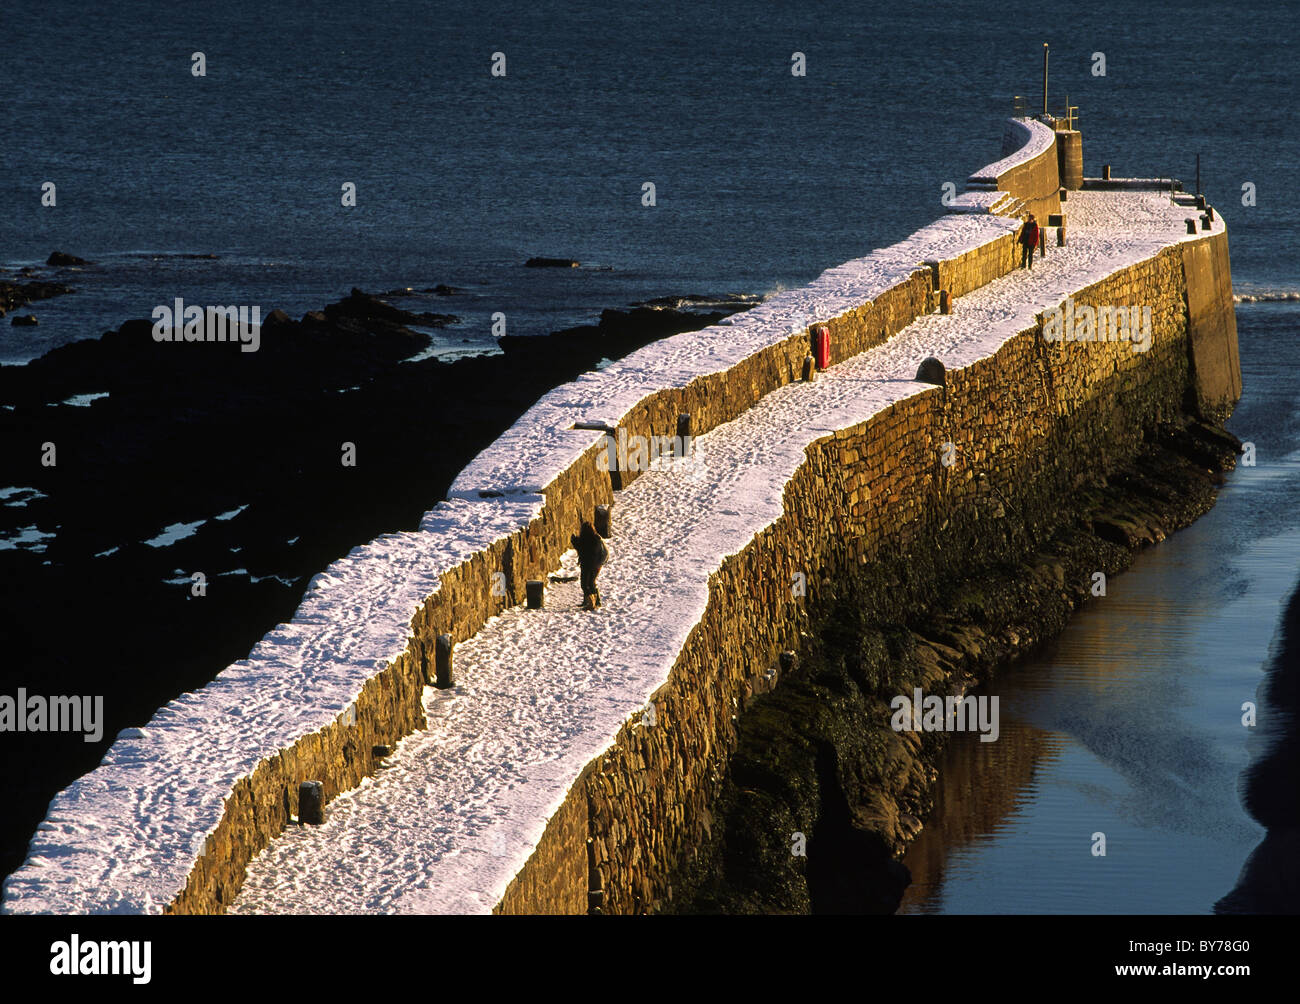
[(1044, 78)]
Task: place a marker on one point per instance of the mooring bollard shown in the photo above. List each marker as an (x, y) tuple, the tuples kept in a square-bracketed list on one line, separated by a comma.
[(1191, 226), (1105, 172), (945, 301), (536, 590), (809, 369), (311, 802), (1200, 202), (1060, 236), (602, 520), (1205, 223), (443, 678), (1209, 211), (932, 371)]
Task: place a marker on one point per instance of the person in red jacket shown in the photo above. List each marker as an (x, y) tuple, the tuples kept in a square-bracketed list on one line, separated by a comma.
[(1028, 241)]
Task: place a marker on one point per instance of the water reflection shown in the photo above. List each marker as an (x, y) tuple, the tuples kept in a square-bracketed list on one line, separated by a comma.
[(1133, 727)]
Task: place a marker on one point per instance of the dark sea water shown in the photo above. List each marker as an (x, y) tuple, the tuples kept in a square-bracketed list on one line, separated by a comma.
[(762, 181)]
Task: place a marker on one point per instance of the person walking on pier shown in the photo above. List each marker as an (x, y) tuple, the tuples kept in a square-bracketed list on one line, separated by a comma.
[(592, 554), (1028, 241)]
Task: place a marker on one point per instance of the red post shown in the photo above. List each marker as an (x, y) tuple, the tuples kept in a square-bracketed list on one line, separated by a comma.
[(822, 347)]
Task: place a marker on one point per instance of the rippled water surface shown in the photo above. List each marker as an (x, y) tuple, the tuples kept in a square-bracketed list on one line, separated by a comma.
[(1132, 726)]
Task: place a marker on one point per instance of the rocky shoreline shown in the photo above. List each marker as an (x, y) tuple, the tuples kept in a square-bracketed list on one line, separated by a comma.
[(817, 756), (1270, 878), (172, 460)]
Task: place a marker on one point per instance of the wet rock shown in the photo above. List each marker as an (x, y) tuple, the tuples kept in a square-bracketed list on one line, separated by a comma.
[(550, 263), (700, 301), (24, 321), (63, 260), (15, 294), (366, 307)]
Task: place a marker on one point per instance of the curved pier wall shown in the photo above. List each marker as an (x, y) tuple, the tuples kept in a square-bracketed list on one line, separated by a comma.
[(389, 705), (1028, 175), (1035, 418), (220, 768)]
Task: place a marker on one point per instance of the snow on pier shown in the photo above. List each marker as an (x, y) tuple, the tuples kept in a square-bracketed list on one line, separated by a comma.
[(461, 806)]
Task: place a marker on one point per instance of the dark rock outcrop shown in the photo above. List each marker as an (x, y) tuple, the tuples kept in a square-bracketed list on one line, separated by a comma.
[(16, 294), (551, 263), (1270, 878)]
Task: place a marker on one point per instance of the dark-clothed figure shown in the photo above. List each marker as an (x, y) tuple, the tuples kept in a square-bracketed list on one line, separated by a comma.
[(592, 554), (1028, 241)]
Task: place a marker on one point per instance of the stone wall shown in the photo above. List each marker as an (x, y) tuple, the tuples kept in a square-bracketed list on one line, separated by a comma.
[(261, 805), (1030, 180), (1212, 327), (1036, 184), (1034, 419), (627, 821), (970, 271)]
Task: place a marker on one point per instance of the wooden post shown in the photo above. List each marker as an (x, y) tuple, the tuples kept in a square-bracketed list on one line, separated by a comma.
[(602, 521), (945, 301), (1105, 172), (1060, 236), (536, 590), (444, 677), (311, 802), (809, 369)]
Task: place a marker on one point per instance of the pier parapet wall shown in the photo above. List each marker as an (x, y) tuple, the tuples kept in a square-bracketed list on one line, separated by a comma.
[(312, 706), (1031, 421)]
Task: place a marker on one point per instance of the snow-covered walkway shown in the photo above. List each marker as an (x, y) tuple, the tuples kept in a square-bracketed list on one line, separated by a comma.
[(460, 806)]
